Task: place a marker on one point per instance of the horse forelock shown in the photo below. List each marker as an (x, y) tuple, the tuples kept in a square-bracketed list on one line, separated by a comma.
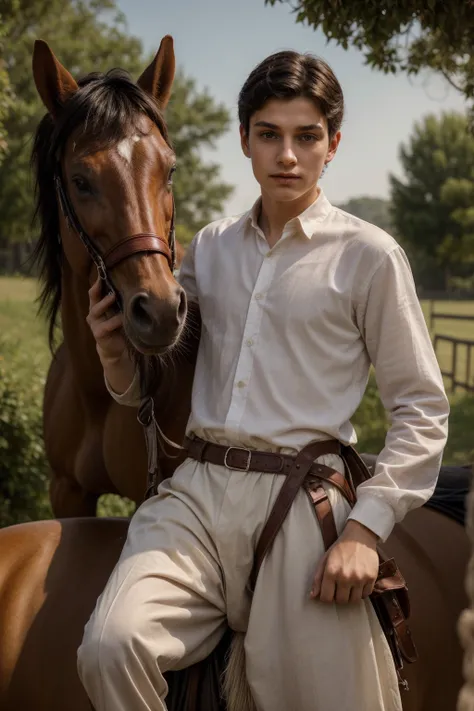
[(106, 109)]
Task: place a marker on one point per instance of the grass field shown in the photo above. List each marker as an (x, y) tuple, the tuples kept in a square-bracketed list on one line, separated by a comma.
[(23, 342), (22, 333)]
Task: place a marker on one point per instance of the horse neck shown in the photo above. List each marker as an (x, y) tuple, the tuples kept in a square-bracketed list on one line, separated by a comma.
[(78, 339)]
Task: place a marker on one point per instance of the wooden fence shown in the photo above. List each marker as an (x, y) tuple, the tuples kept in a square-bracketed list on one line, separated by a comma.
[(457, 344), (452, 374)]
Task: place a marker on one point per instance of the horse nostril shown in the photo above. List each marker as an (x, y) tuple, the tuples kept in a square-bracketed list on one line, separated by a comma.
[(139, 308), (182, 305)]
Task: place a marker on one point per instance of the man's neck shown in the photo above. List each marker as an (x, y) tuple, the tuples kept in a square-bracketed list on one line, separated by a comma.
[(274, 215)]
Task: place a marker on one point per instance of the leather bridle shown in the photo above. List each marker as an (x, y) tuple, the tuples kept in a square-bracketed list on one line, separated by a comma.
[(140, 243)]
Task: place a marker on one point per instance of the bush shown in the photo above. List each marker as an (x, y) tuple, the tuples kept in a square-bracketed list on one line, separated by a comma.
[(23, 468), (370, 420)]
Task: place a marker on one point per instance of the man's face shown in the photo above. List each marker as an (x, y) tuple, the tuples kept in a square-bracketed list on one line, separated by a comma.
[(288, 144)]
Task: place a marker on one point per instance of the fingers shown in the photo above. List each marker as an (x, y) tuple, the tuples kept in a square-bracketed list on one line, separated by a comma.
[(368, 589), (100, 308), (95, 292), (328, 588), (105, 328), (357, 593), (334, 584), (318, 577)]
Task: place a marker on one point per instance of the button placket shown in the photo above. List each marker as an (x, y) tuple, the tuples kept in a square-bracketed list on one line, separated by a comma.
[(249, 345)]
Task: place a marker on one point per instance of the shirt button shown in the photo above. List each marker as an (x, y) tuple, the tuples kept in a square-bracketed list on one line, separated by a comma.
[(258, 296), (241, 384), (249, 341)]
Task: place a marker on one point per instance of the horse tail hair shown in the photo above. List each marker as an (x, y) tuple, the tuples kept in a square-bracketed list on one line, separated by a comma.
[(236, 688)]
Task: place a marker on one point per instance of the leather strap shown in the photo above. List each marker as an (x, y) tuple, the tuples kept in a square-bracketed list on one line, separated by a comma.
[(303, 464), (325, 516), (296, 470), (136, 244)]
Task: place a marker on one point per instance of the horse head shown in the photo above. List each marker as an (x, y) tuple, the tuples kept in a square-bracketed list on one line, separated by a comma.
[(104, 167)]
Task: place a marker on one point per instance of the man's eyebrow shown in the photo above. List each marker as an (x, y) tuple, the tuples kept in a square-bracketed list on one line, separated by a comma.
[(310, 127), (273, 126), (265, 124)]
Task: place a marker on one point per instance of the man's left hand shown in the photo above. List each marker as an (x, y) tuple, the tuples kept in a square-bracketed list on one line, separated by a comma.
[(349, 569)]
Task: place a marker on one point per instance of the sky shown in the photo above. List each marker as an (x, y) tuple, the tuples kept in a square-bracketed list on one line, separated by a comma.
[(219, 42)]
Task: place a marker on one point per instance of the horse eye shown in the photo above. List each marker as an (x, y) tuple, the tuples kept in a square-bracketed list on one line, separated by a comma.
[(170, 175), (82, 185)]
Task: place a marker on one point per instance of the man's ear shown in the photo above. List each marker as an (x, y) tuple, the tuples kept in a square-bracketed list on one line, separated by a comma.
[(244, 141), (333, 146)]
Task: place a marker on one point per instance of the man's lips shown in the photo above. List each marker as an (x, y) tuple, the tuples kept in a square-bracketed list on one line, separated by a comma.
[(285, 176)]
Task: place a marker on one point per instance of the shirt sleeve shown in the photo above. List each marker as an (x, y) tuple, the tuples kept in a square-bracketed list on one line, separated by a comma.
[(131, 396), (411, 388), (187, 274)]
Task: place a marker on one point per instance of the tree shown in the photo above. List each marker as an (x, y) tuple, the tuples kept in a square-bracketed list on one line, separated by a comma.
[(194, 121), (433, 207), (89, 35), (372, 209), (6, 94), (400, 35)]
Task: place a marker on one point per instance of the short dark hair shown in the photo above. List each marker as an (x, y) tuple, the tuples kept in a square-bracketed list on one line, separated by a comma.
[(290, 75)]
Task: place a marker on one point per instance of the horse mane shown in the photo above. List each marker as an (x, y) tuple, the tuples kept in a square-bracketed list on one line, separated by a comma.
[(107, 107)]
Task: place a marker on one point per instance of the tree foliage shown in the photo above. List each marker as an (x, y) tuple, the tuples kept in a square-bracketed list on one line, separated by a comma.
[(6, 93), (400, 35), (195, 121), (91, 35), (371, 209), (433, 205)]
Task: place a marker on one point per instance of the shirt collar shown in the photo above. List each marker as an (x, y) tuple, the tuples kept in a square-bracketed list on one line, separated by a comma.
[(307, 221)]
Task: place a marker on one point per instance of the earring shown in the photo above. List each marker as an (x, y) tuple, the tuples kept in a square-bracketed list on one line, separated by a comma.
[(325, 167)]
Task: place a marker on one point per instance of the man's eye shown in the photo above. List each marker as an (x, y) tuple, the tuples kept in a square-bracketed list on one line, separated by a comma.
[(268, 134)]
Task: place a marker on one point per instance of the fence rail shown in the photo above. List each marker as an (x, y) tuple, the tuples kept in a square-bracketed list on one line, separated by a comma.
[(467, 384), (433, 315)]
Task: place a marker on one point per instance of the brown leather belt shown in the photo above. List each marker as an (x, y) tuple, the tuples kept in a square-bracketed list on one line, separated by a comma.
[(246, 460)]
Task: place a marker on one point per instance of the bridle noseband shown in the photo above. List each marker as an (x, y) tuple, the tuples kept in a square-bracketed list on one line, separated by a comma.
[(141, 243)]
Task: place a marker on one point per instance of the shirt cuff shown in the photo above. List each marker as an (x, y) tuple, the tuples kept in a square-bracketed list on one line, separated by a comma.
[(131, 396), (374, 513)]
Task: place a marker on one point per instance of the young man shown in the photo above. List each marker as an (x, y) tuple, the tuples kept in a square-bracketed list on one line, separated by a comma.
[(297, 298)]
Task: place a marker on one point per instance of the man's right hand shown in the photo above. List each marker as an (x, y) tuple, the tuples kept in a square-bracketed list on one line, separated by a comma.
[(110, 340)]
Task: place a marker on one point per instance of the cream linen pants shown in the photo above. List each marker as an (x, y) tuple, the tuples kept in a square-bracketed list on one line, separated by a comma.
[(183, 573)]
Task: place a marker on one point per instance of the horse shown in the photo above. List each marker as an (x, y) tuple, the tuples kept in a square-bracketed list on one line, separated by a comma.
[(104, 167), (93, 195)]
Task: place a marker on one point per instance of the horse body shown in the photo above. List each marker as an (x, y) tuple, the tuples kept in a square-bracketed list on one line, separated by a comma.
[(93, 445), (52, 572)]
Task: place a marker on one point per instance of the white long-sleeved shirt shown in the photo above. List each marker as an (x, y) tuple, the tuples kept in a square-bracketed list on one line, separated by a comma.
[(288, 336)]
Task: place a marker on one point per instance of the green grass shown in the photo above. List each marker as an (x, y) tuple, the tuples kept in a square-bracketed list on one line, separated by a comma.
[(23, 335)]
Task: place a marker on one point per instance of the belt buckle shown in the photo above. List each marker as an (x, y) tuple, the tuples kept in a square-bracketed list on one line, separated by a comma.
[(238, 469)]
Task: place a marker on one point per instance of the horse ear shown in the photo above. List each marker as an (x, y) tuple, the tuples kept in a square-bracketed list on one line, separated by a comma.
[(157, 79), (54, 83)]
